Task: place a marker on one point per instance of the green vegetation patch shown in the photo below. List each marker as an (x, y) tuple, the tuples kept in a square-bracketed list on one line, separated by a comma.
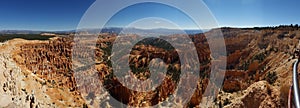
[(6, 37)]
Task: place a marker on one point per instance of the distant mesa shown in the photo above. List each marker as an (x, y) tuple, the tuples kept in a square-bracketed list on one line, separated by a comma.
[(48, 34)]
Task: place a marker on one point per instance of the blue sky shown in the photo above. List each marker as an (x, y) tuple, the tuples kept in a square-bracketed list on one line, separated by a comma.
[(150, 16), (41, 14), (66, 14), (251, 13)]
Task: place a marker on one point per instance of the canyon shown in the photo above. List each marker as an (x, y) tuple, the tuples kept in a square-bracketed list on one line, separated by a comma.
[(43, 73)]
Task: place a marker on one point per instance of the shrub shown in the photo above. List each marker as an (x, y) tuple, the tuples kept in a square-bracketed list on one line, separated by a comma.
[(244, 66), (84, 106), (227, 102), (260, 57), (271, 77)]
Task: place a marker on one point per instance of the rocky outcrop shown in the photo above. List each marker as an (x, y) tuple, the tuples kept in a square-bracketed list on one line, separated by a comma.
[(18, 87), (258, 95), (43, 78)]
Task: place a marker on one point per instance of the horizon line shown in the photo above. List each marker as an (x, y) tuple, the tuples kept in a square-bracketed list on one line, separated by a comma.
[(225, 26)]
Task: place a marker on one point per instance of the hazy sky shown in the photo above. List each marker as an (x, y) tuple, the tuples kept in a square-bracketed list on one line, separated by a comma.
[(66, 14), (255, 12)]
